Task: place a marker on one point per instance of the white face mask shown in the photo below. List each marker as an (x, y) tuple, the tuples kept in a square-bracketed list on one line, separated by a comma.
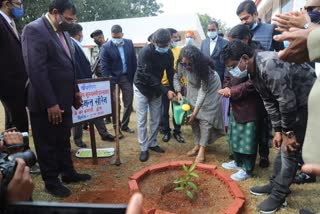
[(236, 72), (212, 34), (189, 41)]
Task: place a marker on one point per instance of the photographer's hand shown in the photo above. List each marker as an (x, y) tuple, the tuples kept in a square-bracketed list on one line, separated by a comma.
[(20, 187)]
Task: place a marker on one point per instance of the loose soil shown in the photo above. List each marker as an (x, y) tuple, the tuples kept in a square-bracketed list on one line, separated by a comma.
[(158, 188)]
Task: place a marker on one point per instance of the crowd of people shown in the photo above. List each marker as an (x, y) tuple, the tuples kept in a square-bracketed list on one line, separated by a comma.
[(247, 86)]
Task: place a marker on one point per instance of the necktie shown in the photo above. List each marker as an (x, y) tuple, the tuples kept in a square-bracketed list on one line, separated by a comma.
[(15, 29), (63, 42)]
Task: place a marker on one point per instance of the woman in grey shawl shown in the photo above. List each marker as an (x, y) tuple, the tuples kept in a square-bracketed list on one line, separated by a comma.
[(203, 83)]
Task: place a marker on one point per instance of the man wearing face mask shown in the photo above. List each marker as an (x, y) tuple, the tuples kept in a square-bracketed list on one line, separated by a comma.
[(284, 88), (83, 71), (154, 58), (99, 39), (118, 60), (262, 32), (190, 37), (212, 47), (52, 91), (13, 73)]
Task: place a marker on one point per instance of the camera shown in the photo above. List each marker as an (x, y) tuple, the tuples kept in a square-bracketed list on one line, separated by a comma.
[(8, 164)]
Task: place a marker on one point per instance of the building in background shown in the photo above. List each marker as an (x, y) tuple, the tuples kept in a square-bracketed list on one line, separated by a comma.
[(268, 8), (139, 29)]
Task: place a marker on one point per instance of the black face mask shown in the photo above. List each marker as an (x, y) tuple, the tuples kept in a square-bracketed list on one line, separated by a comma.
[(65, 26), (97, 42)]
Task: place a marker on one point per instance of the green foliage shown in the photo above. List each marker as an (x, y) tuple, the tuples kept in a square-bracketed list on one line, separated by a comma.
[(205, 19), (185, 183), (92, 10)]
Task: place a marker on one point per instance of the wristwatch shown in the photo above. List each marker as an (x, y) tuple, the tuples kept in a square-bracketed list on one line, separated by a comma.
[(307, 25), (288, 134)]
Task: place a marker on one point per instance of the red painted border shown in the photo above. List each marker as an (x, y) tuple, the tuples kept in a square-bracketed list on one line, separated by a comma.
[(234, 208)]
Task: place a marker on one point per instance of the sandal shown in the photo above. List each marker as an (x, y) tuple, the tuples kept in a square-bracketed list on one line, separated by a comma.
[(200, 159), (193, 152)]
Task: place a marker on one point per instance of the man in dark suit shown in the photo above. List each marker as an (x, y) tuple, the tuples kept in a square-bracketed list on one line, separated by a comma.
[(13, 74), (52, 91), (212, 46), (118, 59), (83, 71)]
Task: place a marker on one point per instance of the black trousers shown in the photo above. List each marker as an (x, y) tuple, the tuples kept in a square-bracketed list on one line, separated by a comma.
[(16, 107), (52, 143), (127, 98)]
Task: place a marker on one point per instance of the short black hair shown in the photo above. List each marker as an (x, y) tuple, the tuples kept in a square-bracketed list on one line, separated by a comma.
[(240, 31), (150, 38), (172, 31), (248, 6), (76, 28), (214, 23), (62, 5), (161, 36), (235, 49), (116, 29), (96, 33)]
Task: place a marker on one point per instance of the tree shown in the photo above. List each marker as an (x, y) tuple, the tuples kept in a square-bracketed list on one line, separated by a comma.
[(91, 10), (205, 19)]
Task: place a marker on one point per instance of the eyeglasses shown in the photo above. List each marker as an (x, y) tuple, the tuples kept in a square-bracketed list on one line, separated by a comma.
[(310, 8), (20, 5)]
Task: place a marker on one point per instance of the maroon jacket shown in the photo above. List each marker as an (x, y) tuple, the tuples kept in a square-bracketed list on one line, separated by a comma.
[(245, 101)]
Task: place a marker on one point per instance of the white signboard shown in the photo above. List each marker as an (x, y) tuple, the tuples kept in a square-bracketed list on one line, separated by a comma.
[(96, 97)]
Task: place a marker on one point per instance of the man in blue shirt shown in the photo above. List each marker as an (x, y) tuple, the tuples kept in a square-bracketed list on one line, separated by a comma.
[(118, 60)]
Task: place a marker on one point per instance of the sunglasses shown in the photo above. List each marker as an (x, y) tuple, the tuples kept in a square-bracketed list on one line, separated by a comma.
[(310, 8)]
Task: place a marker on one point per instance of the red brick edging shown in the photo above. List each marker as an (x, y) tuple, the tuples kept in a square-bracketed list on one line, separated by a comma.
[(234, 208)]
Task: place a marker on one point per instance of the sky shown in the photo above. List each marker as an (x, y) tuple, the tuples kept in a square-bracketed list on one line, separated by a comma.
[(225, 10)]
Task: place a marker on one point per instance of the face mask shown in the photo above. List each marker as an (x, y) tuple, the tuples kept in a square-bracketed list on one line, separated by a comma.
[(236, 72), (162, 50), (17, 12), (212, 34), (189, 41), (253, 26), (314, 16), (64, 26), (117, 41), (174, 44)]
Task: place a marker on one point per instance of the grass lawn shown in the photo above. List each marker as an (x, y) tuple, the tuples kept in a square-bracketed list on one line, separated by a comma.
[(109, 183)]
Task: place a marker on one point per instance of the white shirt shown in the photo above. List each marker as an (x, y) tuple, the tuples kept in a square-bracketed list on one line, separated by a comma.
[(213, 44), (318, 69)]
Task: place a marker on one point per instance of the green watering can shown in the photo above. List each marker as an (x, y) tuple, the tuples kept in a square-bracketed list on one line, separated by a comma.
[(181, 111)]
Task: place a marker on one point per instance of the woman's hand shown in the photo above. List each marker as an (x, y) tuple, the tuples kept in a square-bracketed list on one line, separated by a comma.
[(226, 92), (191, 118)]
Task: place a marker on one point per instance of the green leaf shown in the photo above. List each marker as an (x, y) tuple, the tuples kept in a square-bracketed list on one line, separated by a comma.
[(192, 185), (194, 175), (189, 194), (192, 167), (185, 168), (179, 188), (177, 181)]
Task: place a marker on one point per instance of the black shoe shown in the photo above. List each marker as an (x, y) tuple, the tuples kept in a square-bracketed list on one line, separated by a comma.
[(264, 162), (131, 131), (179, 138), (108, 137), (166, 137), (156, 149), (302, 178), (271, 205), (120, 135), (80, 144), (261, 190), (144, 156), (107, 121), (75, 177), (231, 157), (58, 190), (303, 211)]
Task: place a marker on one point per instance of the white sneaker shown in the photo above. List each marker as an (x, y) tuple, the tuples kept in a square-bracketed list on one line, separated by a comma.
[(231, 165), (241, 175)]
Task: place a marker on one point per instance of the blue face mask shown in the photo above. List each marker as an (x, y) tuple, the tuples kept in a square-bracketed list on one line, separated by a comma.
[(162, 50), (212, 34), (174, 44), (253, 26), (17, 12), (117, 41), (236, 72), (314, 16), (189, 41)]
